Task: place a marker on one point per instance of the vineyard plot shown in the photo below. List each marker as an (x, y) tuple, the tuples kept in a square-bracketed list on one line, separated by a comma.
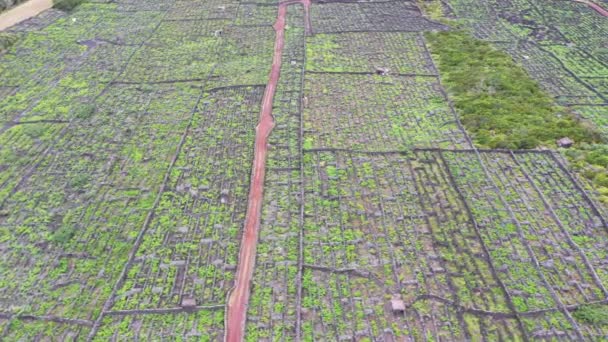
[(176, 52), (580, 62), (578, 23), (404, 16), (596, 114), (190, 247), (24, 330), (31, 82), (579, 217), (106, 23), (203, 325), (96, 164), (497, 31), (256, 14), (245, 56), (372, 112), (21, 148), (390, 227), (73, 95), (143, 6), (397, 52), (541, 252), (545, 67), (79, 209), (559, 43), (598, 83), (202, 11), (126, 141)]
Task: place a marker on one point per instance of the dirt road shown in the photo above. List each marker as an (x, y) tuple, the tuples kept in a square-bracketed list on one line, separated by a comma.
[(22, 12), (238, 299)]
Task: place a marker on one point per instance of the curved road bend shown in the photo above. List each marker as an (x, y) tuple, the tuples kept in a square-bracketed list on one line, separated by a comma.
[(238, 298)]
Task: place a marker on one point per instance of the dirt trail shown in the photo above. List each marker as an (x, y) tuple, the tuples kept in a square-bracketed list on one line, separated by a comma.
[(238, 299), (599, 9), (22, 12)]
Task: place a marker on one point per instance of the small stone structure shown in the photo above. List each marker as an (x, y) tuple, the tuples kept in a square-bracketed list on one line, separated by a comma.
[(565, 142), (397, 305)]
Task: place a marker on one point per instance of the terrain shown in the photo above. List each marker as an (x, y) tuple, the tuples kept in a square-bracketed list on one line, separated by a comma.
[(383, 170)]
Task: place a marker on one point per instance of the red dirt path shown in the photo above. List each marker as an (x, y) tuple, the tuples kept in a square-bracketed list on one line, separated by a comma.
[(599, 9), (236, 311)]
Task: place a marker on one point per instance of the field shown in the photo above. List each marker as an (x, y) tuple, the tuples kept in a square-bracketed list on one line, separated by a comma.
[(127, 138)]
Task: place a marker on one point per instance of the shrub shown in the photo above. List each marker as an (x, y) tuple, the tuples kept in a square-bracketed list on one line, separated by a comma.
[(592, 314), (66, 5), (503, 107), (79, 181), (500, 105), (85, 111), (7, 39), (64, 234)]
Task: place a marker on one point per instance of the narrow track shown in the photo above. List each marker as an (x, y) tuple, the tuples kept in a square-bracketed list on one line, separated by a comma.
[(238, 298)]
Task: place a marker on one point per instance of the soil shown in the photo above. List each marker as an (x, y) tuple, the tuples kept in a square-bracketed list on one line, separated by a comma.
[(22, 12), (238, 299)]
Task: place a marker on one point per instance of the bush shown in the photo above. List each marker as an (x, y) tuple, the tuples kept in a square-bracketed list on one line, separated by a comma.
[(34, 131), (592, 314), (66, 5), (79, 181), (500, 105), (85, 111), (64, 234), (601, 179), (7, 39)]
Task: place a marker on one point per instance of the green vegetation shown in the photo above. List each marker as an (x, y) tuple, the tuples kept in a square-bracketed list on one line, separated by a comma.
[(345, 110), (99, 152), (66, 5), (432, 8), (125, 172), (591, 161), (592, 314), (64, 234), (399, 52), (85, 111), (500, 105), (7, 39)]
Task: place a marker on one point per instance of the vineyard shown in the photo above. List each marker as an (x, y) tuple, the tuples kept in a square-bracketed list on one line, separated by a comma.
[(128, 134), (558, 42)]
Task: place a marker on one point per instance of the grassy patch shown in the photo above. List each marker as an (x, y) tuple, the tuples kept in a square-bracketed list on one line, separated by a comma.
[(592, 314), (501, 106)]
